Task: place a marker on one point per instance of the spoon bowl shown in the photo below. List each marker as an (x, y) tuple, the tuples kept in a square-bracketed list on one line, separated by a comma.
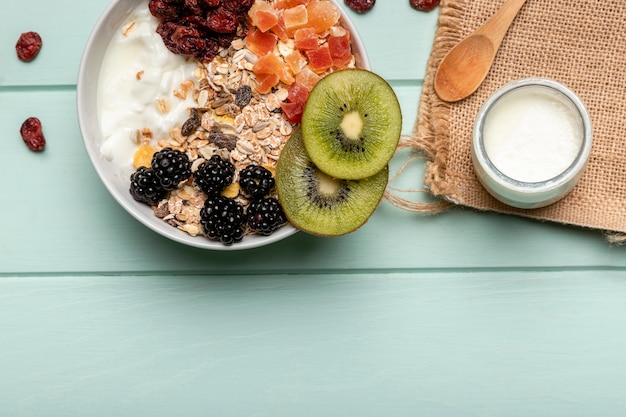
[(467, 64)]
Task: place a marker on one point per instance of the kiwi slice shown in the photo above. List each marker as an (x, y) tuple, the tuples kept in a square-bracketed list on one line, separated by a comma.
[(351, 124), (319, 204)]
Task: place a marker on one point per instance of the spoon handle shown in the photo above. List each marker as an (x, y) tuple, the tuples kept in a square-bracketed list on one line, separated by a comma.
[(496, 27)]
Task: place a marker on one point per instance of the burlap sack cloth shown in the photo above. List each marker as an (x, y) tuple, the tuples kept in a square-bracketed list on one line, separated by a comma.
[(580, 43)]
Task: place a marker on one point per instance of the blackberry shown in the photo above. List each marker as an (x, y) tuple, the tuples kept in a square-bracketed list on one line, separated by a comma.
[(145, 186), (265, 216), (214, 175), (171, 167), (222, 219), (256, 181)]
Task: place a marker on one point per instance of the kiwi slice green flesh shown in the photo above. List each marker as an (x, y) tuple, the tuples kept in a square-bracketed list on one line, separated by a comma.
[(321, 205), (351, 123)]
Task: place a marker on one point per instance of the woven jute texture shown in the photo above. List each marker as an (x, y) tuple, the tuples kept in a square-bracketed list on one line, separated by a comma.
[(581, 44)]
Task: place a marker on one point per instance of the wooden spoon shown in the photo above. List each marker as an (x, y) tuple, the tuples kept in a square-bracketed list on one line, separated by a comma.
[(466, 65)]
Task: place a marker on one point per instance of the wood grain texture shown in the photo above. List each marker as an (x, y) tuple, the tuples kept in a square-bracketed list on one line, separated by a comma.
[(442, 344)]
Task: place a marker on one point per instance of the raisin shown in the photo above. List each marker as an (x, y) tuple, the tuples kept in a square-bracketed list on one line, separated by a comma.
[(222, 140), (424, 5), (32, 134), (28, 46), (243, 95), (212, 3), (360, 6), (191, 124)]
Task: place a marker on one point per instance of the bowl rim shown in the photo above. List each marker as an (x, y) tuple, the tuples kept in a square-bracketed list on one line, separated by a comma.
[(89, 125)]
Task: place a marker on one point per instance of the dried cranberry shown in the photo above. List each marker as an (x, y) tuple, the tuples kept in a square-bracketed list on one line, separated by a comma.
[(28, 46), (238, 6), (211, 50), (32, 134), (188, 41), (198, 28), (360, 6), (222, 20), (194, 7), (164, 11), (165, 30), (195, 21), (225, 39), (424, 5)]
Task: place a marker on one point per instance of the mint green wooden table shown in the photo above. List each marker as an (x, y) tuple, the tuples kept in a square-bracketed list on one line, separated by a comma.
[(459, 314)]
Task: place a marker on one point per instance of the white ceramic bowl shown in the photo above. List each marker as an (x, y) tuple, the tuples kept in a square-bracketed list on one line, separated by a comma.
[(87, 92)]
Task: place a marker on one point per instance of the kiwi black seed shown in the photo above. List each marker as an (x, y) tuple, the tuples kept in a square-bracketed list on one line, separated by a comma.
[(351, 124), (319, 204)]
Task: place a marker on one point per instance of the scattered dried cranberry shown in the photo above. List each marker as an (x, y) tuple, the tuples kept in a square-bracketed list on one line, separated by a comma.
[(32, 134), (360, 6), (424, 5), (28, 46)]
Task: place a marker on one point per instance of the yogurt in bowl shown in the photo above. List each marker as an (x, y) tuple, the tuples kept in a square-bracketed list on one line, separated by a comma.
[(134, 94)]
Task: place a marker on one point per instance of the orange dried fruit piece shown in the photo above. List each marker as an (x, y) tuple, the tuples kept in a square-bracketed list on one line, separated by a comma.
[(265, 82), (295, 17), (271, 64), (279, 28), (307, 78), (260, 43), (339, 46), (322, 15), (295, 61), (252, 12), (293, 107), (143, 156), (286, 4), (293, 111), (266, 18), (319, 58), (306, 38)]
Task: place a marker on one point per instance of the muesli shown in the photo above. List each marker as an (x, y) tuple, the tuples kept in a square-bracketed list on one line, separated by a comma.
[(247, 98)]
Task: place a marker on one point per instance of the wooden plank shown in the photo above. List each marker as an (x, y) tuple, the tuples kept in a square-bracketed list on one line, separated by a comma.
[(64, 26), (442, 344)]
